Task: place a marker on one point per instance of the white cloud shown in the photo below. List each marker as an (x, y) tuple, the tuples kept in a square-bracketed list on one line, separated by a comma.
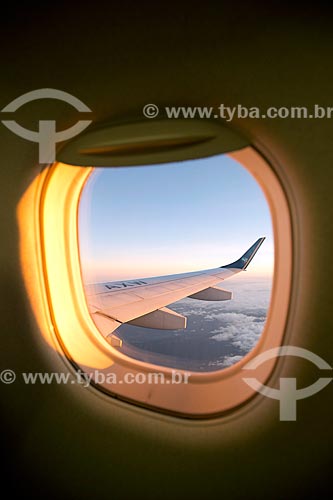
[(218, 334), (240, 329)]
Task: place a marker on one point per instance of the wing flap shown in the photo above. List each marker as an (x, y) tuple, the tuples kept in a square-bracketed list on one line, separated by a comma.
[(104, 324)]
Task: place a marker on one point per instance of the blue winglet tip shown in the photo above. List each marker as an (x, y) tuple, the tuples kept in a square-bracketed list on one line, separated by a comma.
[(245, 259)]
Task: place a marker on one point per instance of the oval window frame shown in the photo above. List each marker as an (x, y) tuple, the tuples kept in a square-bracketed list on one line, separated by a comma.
[(67, 325)]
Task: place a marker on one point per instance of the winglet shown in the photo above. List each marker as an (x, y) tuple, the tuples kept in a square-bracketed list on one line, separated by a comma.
[(245, 260)]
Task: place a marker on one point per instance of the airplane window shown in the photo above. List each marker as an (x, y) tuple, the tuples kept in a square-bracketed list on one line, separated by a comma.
[(177, 260)]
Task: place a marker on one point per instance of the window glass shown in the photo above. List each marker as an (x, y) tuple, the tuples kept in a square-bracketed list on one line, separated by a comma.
[(138, 223)]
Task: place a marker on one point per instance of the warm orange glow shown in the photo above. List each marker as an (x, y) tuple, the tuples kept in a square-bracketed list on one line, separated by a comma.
[(51, 268), (47, 252), (30, 255)]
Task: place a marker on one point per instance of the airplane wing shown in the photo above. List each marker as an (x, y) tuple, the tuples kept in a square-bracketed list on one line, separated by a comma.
[(142, 302)]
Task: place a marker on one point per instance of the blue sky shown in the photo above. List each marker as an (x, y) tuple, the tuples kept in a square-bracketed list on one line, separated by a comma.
[(164, 219)]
